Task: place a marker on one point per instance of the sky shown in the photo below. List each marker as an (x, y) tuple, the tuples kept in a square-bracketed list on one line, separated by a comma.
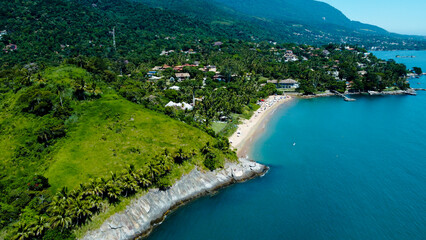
[(398, 16)]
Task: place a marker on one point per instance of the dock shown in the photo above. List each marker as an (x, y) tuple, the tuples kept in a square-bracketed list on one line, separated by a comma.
[(346, 98)]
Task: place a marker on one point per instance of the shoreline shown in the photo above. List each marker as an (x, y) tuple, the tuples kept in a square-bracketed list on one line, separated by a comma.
[(246, 131), (142, 215), (249, 128)]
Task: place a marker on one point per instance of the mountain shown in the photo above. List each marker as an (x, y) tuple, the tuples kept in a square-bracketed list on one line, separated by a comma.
[(303, 11), (298, 21), (53, 30)]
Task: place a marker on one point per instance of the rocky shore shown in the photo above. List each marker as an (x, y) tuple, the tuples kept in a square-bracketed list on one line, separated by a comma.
[(146, 212), (396, 92)]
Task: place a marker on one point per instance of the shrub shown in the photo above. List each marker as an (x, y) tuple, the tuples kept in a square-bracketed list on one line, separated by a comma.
[(211, 161), (38, 183)]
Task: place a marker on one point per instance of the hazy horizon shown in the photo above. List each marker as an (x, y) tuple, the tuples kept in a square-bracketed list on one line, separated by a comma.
[(393, 15)]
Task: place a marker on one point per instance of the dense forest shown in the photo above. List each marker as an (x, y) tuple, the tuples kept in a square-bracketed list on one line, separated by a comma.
[(84, 89)]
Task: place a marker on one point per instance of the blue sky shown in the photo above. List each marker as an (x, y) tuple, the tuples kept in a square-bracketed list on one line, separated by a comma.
[(399, 16)]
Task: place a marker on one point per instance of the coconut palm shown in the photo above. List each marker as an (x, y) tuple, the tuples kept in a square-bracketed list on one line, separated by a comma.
[(40, 226), (152, 171), (143, 179), (98, 187), (61, 220), (23, 231), (80, 211)]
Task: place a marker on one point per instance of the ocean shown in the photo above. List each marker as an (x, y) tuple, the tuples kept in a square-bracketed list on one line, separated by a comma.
[(338, 170)]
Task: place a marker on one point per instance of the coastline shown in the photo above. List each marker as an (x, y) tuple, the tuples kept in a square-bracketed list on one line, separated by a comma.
[(247, 129), (148, 211)]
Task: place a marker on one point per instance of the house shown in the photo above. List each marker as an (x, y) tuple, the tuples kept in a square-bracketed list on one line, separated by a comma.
[(157, 68), (178, 68), (183, 105), (177, 88), (151, 73), (182, 76), (362, 73), (154, 78), (335, 74), (212, 68), (2, 33), (218, 44), (287, 83), (166, 53), (10, 47), (361, 65), (219, 77)]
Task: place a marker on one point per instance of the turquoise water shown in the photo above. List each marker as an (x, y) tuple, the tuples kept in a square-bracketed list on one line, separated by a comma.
[(357, 171)]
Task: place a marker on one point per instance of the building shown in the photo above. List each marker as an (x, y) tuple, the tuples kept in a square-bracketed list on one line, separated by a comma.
[(157, 68), (151, 73), (177, 88), (183, 105), (212, 68), (2, 33), (218, 44), (10, 47), (182, 76), (219, 77), (154, 78), (362, 73), (287, 83)]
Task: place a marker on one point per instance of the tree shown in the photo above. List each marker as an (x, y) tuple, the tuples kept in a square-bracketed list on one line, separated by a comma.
[(210, 161), (417, 70), (41, 225), (23, 231), (62, 220)]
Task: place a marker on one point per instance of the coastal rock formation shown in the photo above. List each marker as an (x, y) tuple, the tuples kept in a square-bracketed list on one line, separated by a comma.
[(142, 214)]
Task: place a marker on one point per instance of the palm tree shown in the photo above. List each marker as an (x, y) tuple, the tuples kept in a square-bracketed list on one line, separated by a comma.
[(80, 211), (61, 220), (143, 179), (40, 226), (23, 231), (152, 171), (98, 187), (164, 164)]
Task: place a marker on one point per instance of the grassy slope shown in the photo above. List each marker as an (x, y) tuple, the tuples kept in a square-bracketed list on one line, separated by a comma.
[(112, 132)]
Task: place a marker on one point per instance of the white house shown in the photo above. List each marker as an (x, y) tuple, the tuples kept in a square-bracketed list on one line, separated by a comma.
[(183, 105), (177, 88)]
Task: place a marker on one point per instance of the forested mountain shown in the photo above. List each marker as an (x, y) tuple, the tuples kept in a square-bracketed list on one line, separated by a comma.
[(51, 30), (303, 11), (299, 21)]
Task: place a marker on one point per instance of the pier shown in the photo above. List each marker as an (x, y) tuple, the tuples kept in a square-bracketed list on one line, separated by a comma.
[(347, 99)]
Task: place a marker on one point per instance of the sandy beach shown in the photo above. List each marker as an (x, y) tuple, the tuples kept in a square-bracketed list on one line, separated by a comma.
[(248, 127)]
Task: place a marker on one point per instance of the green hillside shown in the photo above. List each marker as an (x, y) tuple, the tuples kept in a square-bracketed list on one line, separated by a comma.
[(111, 133), (65, 130)]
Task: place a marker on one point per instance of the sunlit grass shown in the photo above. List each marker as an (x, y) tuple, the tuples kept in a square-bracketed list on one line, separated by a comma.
[(111, 133)]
